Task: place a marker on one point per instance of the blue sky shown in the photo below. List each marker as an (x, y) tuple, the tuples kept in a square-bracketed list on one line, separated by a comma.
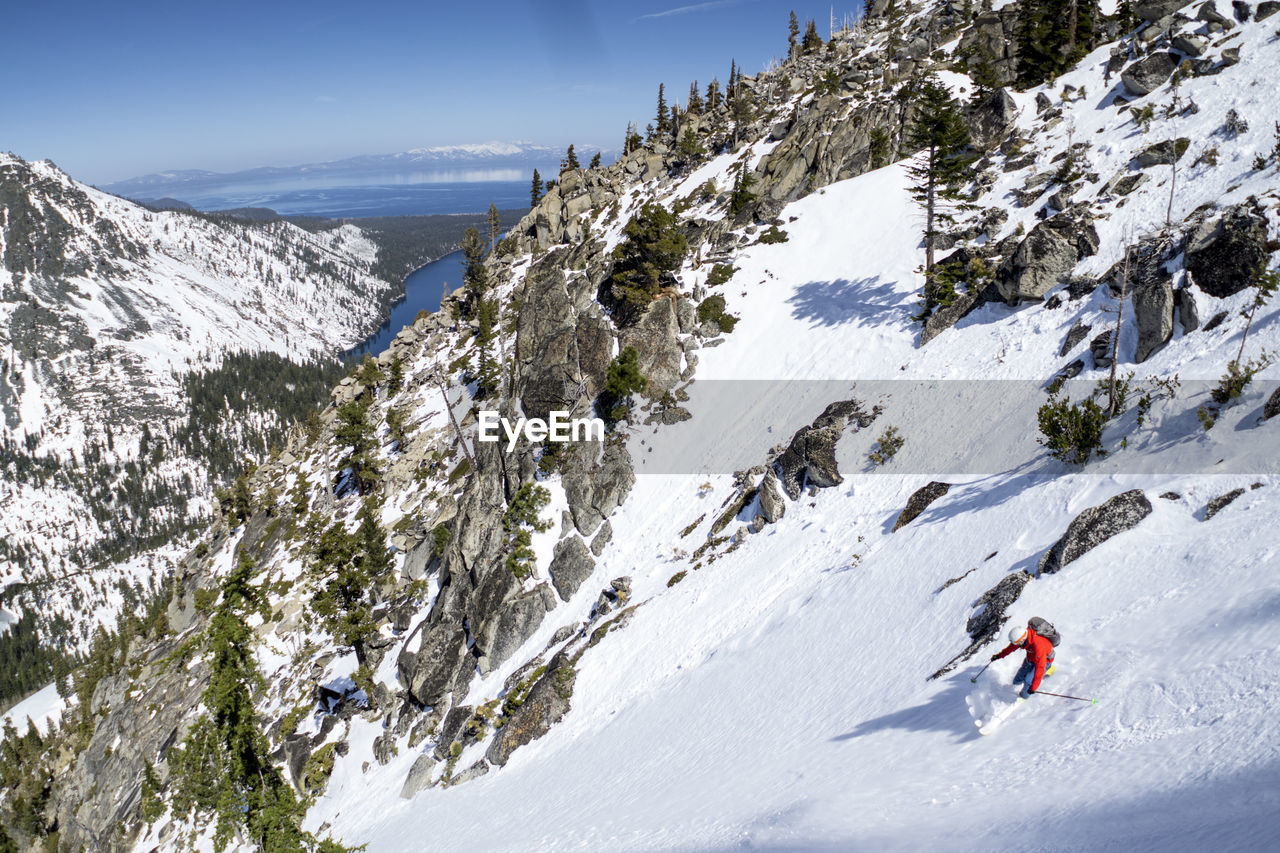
[(110, 91)]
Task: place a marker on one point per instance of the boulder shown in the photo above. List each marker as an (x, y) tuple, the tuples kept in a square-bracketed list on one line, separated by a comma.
[(1188, 314), (1219, 503), (1124, 184), (1272, 408), (544, 706), (1266, 9), (946, 317), (656, 337), (810, 458), (991, 119), (993, 603), (1077, 333), (595, 488), (1190, 44), (1044, 259), (1153, 10), (501, 628), (475, 771), (602, 539), (1153, 308), (919, 502), (571, 564), (1242, 10), (1162, 153), (1209, 13), (1093, 527), (1149, 73), (419, 777), (772, 506), (1224, 254)]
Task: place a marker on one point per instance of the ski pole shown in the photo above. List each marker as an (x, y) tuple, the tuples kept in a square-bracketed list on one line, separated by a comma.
[(974, 680), (1065, 696)]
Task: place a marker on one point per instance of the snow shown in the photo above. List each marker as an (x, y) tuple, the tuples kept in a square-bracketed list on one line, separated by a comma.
[(777, 698), (44, 708)]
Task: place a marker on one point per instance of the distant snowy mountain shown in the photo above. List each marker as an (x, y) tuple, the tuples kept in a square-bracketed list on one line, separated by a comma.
[(487, 155), (105, 307)]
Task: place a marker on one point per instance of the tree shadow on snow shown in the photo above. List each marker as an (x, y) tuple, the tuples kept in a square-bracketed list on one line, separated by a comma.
[(944, 712), (832, 303)]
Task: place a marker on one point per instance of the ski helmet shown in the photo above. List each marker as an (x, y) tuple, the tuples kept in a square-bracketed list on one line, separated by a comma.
[(1017, 635)]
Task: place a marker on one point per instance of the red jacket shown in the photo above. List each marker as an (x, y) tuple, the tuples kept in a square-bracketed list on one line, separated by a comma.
[(1039, 653)]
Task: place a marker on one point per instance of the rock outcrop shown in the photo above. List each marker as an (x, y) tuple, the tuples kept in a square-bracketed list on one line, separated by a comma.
[(1149, 73), (1045, 258), (1220, 503), (1093, 527), (1153, 308), (919, 502), (1225, 254), (810, 458)]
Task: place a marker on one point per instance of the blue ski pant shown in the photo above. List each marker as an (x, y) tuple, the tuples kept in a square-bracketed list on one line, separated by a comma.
[(1027, 673)]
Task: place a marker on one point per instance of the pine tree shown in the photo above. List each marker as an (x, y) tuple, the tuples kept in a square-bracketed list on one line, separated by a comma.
[(535, 192), (570, 161), (1053, 35), (812, 41), (662, 126), (793, 33), (653, 245), (940, 169), (633, 139), (695, 105), (354, 432), (495, 225), (714, 98), (595, 161), (732, 86)]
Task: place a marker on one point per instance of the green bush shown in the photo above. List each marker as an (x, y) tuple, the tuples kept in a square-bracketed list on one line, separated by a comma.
[(519, 522), (720, 273), (622, 380), (1072, 431), (653, 246), (887, 446), (773, 235), (712, 308)]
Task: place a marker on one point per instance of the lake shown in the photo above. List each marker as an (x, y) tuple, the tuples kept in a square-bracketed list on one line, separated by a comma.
[(422, 291)]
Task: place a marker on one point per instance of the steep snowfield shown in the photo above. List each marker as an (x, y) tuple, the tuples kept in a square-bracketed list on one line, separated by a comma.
[(777, 698)]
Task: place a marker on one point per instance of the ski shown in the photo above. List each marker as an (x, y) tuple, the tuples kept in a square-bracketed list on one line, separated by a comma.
[(998, 717)]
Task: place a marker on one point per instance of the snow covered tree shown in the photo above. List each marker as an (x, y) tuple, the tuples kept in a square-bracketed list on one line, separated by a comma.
[(939, 169)]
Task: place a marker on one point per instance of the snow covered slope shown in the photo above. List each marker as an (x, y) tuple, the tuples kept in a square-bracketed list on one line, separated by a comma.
[(725, 666)]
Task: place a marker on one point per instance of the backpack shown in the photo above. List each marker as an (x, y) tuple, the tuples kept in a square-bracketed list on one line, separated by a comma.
[(1045, 629)]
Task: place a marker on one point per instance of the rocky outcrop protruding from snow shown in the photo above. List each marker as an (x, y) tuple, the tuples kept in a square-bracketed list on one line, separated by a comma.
[(545, 705), (810, 459), (1220, 503), (1153, 308), (1225, 254), (596, 488), (919, 502), (570, 566), (772, 505), (985, 622), (1149, 73), (1045, 258), (1093, 527), (656, 338), (1272, 408), (1155, 10), (991, 119)]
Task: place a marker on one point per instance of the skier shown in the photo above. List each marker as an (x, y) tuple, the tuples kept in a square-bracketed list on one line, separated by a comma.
[(1039, 662)]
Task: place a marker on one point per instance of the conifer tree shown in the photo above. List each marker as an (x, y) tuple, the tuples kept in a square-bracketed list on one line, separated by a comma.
[(570, 160), (535, 192), (732, 85), (495, 225), (595, 161), (354, 432), (662, 126), (940, 136), (793, 33), (633, 139), (812, 41), (1052, 36), (653, 245), (695, 105), (714, 98)]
